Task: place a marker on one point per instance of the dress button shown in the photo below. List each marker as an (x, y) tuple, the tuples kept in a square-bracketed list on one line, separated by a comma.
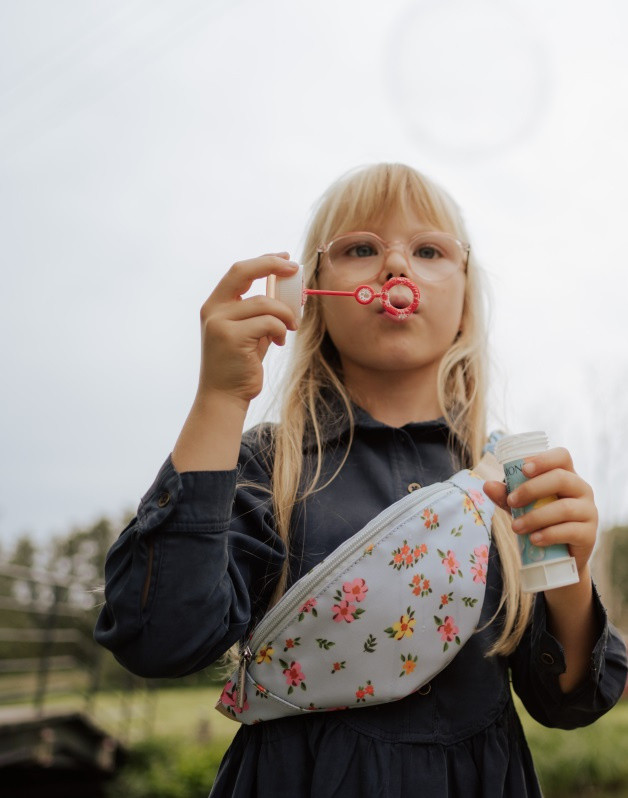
[(427, 688), (547, 659), (413, 486), (163, 500)]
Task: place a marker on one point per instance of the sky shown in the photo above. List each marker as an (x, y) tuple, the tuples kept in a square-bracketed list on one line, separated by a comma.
[(146, 145)]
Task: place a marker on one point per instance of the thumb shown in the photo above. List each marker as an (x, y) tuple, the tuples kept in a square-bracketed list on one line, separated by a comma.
[(496, 492)]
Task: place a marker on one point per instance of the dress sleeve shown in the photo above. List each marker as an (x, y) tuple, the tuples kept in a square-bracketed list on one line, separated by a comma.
[(540, 658), (186, 576)]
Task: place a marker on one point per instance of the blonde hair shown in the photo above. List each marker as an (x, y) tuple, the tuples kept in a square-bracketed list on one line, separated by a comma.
[(353, 202)]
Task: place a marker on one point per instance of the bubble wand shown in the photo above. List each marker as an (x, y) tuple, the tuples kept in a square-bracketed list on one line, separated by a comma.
[(293, 292)]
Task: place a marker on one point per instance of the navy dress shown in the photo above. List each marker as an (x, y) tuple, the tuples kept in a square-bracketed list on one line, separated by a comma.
[(195, 569)]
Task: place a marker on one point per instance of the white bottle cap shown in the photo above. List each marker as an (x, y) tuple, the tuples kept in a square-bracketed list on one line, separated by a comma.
[(548, 575), (516, 447)]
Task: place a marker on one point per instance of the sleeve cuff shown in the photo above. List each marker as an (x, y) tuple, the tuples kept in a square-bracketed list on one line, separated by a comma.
[(191, 498), (548, 654)]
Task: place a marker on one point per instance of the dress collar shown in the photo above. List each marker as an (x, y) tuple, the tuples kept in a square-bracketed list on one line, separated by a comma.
[(336, 424)]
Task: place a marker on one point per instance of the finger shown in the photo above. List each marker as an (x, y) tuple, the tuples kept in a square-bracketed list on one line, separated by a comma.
[(576, 535), (496, 492), (546, 461), (262, 305), (242, 275), (561, 511), (258, 327), (557, 482)]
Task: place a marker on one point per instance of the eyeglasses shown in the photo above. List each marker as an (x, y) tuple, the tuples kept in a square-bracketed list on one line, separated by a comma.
[(430, 256)]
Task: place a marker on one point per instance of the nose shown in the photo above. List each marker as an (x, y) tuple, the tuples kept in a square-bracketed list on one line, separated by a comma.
[(395, 263)]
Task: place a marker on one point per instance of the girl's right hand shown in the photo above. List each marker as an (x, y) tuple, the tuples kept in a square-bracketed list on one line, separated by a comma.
[(236, 332)]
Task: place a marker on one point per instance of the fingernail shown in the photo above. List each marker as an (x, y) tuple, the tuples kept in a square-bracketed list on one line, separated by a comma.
[(517, 525), (512, 499), (292, 264), (529, 468)]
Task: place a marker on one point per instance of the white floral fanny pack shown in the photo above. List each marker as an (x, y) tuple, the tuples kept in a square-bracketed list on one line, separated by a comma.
[(380, 616)]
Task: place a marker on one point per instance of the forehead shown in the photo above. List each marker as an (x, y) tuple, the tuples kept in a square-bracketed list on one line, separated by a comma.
[(394, 222)]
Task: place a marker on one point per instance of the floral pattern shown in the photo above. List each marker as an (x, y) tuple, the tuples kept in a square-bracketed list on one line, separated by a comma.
[(357, 589), (447, 630), (265, 654), (479, 563), (363, 691), (408, 664), (451, 563), (407, 556), (343, 609), (294, 675), (429, 518), (420, 585), (229, 699), (404, 627), (308, 607)]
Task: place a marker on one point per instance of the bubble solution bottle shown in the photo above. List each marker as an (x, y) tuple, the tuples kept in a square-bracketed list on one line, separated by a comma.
[(542, 567)]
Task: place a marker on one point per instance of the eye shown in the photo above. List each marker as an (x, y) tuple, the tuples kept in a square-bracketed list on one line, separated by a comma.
[(361, 250), (427, 251)]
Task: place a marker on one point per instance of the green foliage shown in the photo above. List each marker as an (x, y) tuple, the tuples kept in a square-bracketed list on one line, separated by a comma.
[(168, 768), (618, 538), (590, 761)]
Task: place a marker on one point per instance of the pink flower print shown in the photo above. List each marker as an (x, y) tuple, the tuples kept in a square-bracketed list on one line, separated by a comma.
[(479, 573), (450, 562), (447, 630), (357, 589), (477, 497), (294, 675), (481, 554), (343, 611), (229, 698), (308, 607)]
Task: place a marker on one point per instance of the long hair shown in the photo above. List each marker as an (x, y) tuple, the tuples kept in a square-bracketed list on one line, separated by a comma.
[(352, 203)]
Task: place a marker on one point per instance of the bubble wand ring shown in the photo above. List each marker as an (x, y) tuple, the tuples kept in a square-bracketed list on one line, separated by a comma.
[(293, 292)]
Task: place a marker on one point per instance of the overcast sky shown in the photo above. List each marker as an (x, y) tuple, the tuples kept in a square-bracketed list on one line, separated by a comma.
[(146, 145)]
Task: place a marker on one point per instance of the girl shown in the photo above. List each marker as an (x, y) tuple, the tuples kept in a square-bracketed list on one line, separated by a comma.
[(373, 408)]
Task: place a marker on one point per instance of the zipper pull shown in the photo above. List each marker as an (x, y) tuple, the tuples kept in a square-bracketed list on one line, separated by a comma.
[(245, 657)]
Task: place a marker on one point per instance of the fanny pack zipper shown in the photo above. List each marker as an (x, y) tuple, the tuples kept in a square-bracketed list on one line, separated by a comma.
[(301, 590)]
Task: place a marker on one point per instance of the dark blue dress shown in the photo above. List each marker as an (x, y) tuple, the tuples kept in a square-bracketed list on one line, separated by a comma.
[(196, 567)]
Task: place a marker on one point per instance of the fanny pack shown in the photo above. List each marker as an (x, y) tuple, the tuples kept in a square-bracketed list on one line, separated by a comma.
[(381, 615)]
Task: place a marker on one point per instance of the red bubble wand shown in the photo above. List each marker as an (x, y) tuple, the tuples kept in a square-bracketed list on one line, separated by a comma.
[(293, 292)]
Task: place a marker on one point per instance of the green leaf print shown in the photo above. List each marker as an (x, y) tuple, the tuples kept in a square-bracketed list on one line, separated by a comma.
[(371, 644), (326, 644)]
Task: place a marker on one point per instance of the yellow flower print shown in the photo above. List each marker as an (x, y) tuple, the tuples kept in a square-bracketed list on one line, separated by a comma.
[(404, 627), (265, 654)]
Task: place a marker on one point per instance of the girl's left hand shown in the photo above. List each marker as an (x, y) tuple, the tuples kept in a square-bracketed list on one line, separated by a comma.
[(571, 519)]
